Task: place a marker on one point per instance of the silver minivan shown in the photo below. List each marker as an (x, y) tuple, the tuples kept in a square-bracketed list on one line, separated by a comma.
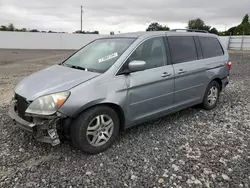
[(119, 81)]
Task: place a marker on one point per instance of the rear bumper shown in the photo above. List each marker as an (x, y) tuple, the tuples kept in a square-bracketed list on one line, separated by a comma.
[(31, 127), (225, 82)]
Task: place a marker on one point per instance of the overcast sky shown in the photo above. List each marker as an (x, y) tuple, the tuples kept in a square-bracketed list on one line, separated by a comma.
[(119, 15)]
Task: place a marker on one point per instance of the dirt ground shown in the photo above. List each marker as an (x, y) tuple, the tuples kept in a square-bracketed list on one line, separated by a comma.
[(17, 64), (191, 148)]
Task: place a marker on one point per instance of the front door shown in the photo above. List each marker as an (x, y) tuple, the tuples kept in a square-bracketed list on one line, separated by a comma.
[(150, 92)]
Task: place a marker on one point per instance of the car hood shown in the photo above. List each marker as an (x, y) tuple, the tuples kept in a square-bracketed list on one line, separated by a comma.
[(51, 80)]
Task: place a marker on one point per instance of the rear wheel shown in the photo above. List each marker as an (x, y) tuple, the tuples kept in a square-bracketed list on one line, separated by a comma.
[(95, 130), (211, 96)]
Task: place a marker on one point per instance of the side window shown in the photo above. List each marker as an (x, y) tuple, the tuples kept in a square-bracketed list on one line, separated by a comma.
[(211, 47), (152, 51), (182, 49)]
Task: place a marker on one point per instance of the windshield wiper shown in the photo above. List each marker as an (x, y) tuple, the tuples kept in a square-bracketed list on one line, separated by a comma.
[(95, 70), (82, 68), (74, 66), (78, 67)]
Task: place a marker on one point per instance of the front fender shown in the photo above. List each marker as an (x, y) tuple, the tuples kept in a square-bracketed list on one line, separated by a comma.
[(93, 93)]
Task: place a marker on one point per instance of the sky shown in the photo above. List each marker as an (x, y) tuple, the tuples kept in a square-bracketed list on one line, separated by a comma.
[(119, 15)]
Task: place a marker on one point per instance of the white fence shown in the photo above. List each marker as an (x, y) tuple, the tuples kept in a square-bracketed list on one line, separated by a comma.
[(28, 40), (63, 41), (239, 43)]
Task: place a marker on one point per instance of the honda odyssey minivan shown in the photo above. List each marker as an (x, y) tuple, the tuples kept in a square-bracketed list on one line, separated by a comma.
[(119, 81)]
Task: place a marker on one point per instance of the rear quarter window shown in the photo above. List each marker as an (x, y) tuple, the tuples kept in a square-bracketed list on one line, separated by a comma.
[(211, 47)]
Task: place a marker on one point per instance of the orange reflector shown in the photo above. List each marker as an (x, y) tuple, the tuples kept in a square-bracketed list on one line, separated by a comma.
[(60, 102)]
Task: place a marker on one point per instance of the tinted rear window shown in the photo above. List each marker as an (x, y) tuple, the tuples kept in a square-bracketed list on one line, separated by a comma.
[(210, 47), (182, 49)]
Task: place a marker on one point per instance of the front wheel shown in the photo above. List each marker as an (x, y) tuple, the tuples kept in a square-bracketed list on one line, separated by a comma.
[(211, 96), (95, 130)]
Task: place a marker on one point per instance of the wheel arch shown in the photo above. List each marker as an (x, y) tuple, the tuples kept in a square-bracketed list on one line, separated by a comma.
[(114, 106), (218, 80)]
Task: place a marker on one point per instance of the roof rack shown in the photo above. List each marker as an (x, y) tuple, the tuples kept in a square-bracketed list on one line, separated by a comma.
[(190, 30)]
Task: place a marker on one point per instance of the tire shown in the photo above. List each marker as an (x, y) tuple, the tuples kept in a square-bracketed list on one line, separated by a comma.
[(207, 103), (89, 120)]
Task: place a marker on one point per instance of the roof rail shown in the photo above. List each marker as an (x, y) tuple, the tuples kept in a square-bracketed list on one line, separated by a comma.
[(190, 30)]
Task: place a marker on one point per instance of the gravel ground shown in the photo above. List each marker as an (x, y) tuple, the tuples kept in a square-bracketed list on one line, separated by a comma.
[(192, 148)]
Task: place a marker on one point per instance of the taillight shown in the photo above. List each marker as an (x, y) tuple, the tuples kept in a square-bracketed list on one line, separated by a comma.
[(229, 65)]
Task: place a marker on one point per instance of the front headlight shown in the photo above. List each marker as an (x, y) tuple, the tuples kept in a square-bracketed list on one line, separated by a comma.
[(48, 104)]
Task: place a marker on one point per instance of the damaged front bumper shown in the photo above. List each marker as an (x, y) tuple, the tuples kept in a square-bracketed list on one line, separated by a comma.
[(44, 128)]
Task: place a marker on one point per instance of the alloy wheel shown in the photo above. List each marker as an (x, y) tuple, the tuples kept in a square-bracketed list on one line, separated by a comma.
[(212, 95), (100, 130)]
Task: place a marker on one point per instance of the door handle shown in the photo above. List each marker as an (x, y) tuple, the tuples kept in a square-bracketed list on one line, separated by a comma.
[(181, 71), (166, 74)]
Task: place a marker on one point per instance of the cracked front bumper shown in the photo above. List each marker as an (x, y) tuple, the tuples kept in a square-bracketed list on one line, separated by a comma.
[(44, 127), (31, 127)]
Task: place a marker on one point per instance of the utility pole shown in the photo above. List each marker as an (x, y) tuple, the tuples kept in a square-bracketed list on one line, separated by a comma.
[(81, 18)]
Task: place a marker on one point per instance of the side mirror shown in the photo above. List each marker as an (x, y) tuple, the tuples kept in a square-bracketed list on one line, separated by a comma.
[(134, 66)]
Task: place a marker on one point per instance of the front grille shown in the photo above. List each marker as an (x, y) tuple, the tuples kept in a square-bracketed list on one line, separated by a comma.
[(22, 105)]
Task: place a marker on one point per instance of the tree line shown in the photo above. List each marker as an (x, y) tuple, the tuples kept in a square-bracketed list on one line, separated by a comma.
[(11, 27), (242, 28)]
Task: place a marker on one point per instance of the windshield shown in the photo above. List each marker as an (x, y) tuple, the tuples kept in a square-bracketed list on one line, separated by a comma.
[(99, 55)]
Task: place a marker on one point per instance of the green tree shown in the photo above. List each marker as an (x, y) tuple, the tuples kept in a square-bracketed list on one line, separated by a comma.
[(34, 30), (198, 24), (231, 30), (245, 19), (11, 27), (155, 26), (244, 27), (214, 31), (3, 28), (165, 28)]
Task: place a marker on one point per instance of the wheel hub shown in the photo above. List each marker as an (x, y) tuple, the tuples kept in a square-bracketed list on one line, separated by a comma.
[(212, 95), (100, 130)]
